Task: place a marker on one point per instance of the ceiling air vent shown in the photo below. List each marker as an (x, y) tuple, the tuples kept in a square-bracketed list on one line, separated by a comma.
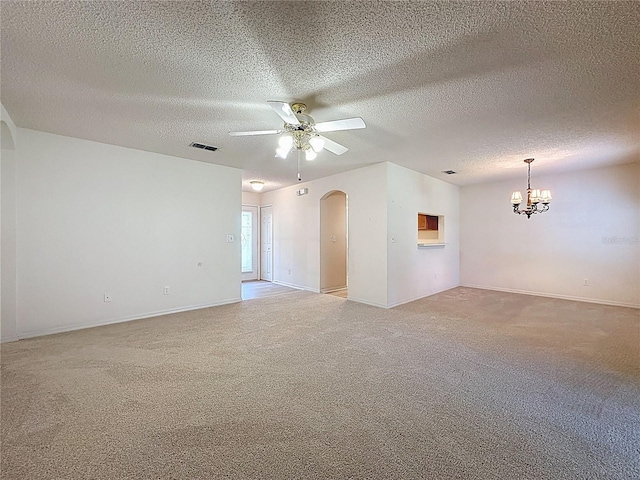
[(202, 146), (449, 172)]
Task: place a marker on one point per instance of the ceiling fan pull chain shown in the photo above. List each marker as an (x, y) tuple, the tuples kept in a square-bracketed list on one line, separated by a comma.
[(299, 177)]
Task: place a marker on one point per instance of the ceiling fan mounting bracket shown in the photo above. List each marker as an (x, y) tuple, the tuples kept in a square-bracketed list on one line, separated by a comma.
[(298, 107)]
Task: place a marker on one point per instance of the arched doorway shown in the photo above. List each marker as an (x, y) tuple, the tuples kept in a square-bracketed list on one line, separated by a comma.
[(333, 242)]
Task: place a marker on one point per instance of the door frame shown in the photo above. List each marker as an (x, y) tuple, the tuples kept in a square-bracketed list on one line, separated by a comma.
[(261, 276), (255, 273), (322, 272)]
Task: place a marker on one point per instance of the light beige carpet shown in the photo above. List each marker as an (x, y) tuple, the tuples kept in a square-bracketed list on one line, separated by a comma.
[(464, 384)]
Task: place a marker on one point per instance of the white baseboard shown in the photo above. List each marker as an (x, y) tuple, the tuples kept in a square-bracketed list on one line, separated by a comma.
[(297, 287), (9, 339), (553, 295), (402, 302), (70, 328), (366, 302)]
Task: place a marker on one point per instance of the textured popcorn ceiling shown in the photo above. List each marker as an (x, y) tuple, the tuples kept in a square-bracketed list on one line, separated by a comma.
[(472, 87)]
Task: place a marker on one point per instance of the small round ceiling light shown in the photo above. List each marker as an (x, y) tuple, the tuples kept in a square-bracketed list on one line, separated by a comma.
[(256, 185)]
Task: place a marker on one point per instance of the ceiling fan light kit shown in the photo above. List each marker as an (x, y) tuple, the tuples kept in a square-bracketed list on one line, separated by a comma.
[(302, 133), (317, 143), (537, 200)]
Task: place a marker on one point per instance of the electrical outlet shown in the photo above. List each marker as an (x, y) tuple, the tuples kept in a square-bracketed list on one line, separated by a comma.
[(166, 290), (229, 238), (289, 271), (586, 282), (107, 297)]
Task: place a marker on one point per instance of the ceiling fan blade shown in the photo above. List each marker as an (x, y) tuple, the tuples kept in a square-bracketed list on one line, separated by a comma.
[(346, 124), (255, 132), (284, 111), (333, 147)]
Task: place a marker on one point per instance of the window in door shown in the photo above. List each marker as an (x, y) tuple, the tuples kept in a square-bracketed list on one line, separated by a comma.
[(249, 242)]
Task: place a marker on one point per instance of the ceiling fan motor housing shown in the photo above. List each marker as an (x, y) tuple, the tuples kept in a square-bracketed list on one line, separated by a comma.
[(302, 132)]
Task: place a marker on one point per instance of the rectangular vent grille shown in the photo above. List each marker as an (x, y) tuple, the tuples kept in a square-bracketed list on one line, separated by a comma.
[(203, 146), (449, 172)]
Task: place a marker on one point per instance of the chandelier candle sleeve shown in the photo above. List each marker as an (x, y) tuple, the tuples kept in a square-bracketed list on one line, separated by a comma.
[(534, 197)]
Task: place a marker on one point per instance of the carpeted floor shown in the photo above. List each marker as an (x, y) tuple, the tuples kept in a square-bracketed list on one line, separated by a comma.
[(463, 384)]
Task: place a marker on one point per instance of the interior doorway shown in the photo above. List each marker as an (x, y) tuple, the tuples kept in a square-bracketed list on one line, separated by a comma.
[(266, 243), (333, 242), (249, 241)]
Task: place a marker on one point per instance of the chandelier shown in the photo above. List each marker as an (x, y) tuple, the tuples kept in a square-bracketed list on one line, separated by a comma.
[(537, 201)]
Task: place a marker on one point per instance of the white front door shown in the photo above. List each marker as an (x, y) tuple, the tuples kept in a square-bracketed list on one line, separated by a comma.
[(266, 253), (249, 242)]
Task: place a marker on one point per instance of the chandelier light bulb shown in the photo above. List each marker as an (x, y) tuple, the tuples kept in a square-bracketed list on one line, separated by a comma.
[(310, 154)]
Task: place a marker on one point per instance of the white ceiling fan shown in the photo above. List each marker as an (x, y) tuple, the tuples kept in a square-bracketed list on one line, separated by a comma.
[(303, 133)]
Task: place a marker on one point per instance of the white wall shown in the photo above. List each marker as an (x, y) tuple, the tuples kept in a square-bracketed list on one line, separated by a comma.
[(7, 228), (251, 198), (95, 219), (590, 232), (296, 232), (418, 272)]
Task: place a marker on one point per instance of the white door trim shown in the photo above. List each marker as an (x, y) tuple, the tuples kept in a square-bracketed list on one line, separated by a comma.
[(266, 243), (255, 234)]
